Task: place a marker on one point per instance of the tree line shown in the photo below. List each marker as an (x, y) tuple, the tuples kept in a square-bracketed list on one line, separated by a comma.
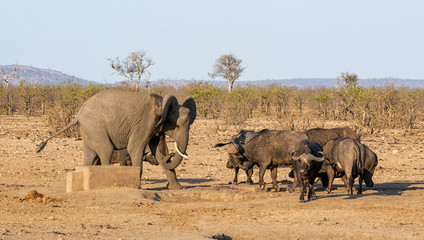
[(368, 109)]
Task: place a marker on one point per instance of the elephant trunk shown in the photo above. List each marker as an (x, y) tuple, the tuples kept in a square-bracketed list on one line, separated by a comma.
[(180, 149)]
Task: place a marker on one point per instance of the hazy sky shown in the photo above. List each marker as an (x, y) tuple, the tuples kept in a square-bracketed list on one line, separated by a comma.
[(275, 39)]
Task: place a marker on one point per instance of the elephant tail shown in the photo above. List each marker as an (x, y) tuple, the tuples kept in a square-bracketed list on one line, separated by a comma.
[(43, 144)]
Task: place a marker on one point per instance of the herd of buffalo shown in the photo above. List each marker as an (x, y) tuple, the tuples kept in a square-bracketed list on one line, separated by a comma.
[(316, 153)]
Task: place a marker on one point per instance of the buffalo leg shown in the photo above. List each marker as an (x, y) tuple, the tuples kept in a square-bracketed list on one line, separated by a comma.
[(262, 169), (236, 170), (295, 181), (303, 184), (350, 181), (330, 174), (360, 184), (249, 173), (274, 177), (311, 193), (346, 182)]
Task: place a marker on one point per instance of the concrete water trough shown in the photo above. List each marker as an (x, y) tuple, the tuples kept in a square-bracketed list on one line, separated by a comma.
[(99, 177)]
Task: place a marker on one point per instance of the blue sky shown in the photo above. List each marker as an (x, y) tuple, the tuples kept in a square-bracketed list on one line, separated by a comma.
[(275, 39)]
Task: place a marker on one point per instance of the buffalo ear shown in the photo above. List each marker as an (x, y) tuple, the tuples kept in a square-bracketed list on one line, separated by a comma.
[(191, 105)]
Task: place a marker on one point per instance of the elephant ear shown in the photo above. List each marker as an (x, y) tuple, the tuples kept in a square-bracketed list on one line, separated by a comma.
[(167, 104), (191, 105)]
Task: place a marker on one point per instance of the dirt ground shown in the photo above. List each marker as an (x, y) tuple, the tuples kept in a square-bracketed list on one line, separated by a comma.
[(35, 205)]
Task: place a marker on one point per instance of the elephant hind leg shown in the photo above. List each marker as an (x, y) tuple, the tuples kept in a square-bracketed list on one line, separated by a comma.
[(90, 156), (96, 143), (105, 153)]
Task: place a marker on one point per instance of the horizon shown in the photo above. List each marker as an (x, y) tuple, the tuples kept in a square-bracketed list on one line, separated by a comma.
[(222, 80), (274, 39), (44, 76)]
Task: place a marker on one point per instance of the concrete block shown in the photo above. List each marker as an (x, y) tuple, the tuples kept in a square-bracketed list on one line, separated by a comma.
[(74, 181), (100, 177)]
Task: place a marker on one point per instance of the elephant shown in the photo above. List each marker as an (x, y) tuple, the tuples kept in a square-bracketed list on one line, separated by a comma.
[(115, 119)]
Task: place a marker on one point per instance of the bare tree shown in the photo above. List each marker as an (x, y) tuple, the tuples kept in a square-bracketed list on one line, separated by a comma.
[(228, 67), (6, 78), (6, 93), (350, 79), (133, 68)]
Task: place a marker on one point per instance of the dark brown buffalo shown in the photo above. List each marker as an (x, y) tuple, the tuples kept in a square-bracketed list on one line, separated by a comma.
[(268, 149), (242, 136), (346, 157), (323, 135), (307, 161)]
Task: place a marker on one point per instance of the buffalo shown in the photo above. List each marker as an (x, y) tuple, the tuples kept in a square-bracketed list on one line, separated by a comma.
[(247, 166), (370, 163), (323, 135), (268, 149), (307, 161), (346, 158)]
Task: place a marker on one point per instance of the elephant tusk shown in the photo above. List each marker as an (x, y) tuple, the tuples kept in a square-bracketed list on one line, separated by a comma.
[(179, 152)]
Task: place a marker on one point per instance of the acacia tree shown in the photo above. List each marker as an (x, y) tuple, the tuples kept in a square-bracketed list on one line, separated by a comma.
[(5, 91), (350, 79), (228, 67), (133, 68)]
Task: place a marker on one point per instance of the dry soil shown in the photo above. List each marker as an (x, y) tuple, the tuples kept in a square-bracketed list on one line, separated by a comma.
[(35, 205)]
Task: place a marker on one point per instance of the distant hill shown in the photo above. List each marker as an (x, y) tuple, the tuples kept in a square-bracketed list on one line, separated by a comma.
[(41, 76), (48, 76)]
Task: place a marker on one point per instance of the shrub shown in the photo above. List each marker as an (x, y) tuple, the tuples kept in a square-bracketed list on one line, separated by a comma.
[(68, 100), (207, 99)]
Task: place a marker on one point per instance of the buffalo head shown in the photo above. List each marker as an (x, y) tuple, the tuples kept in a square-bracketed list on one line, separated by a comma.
[(306, 162)]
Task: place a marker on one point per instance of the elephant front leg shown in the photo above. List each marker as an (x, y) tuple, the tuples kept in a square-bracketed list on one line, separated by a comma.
[(171, 176), (160, 150)]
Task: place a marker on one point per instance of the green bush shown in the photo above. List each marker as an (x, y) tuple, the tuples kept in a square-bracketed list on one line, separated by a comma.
[(207, 98)]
